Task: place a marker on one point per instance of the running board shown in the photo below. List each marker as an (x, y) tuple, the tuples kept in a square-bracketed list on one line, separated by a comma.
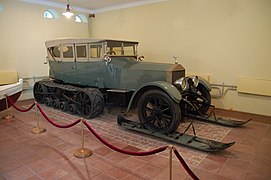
[(220, 120), (179, 138)]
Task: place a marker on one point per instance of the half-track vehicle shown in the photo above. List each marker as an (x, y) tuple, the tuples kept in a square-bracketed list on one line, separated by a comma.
[(88, 74)]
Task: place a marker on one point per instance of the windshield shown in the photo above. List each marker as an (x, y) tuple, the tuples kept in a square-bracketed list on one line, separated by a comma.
[(118, 48)]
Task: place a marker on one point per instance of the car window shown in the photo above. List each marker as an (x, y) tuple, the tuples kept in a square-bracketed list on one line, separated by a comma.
[(54, 52), (67, 51), (96, 50), (81, 51)]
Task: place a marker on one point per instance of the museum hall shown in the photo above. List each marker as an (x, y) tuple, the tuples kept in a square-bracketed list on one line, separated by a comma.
[(135, 89)]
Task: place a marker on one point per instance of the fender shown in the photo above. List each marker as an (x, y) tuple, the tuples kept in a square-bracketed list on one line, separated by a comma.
[(205, 83), (168, 88)]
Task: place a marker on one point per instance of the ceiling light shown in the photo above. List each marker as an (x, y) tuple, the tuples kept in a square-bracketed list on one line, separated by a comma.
[(68, 14)]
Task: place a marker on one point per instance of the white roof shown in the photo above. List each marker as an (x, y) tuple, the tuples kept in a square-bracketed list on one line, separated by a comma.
[(57, 42)]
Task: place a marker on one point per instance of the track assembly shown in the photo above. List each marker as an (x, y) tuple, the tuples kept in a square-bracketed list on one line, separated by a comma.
[(183, 139)]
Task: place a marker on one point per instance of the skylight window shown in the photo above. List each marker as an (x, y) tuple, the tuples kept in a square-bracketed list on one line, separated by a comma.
[(48, 14), (80, 18)]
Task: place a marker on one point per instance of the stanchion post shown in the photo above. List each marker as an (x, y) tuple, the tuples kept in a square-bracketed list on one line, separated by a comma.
[(38, 129), (170, 147), (82, 152), (8, 116)]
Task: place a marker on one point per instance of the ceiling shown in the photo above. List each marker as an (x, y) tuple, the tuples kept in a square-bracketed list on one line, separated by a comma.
[(93, 6)]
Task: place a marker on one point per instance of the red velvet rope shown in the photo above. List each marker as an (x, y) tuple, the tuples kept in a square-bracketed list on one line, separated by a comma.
[(122, 150), (185, 166), (53, 123), (17, 108)]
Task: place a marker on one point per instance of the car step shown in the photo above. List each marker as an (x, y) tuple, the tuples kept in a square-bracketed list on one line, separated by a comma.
[(176, 137)]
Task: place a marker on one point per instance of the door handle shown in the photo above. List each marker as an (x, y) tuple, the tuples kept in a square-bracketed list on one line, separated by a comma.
[(73, 67)]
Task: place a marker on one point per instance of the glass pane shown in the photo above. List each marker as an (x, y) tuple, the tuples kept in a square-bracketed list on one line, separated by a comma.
[(78, 19), (129, 50), (55, 51), (67, 51), (81, 51), (48, 14), (96, 51)]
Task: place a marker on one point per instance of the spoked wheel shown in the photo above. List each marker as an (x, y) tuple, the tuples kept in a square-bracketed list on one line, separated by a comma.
[(158, 112), (40, 92), (201, 101), (84, 104)]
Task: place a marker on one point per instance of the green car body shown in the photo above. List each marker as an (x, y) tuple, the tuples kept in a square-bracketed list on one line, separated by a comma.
[(113, 68)]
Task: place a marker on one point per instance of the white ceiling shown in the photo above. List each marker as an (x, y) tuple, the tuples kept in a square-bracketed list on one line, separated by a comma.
[(93, 6)]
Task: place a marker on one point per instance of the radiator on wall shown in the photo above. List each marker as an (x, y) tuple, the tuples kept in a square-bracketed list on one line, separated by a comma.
[(254, 86)]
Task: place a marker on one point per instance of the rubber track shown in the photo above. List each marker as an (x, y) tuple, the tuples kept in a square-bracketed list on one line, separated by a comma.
[(94, 93)]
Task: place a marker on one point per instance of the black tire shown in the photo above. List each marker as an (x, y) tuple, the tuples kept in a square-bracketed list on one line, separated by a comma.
[(40, 92), (98, 102), (72, 108), (48, 101), (201, 99), (84, 104), (159, 112), (56, 103), (64, 106)]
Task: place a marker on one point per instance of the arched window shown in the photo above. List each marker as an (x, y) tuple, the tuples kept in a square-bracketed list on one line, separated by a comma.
[(50, 14), (80, 18)]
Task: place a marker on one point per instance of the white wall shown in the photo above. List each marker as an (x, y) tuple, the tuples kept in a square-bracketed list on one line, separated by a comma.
[(23, 31), (226, 39)]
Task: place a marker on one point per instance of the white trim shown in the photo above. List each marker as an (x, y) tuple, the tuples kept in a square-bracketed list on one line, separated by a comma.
[(127, 5), (11, 89), (93, 11), (58, 5)]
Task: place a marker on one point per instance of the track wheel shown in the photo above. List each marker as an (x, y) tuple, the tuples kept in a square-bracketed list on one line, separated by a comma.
[(56, 103), (158, 111), (40, 92), (72, 108), (84, 104), (64, 106), (48, 101)]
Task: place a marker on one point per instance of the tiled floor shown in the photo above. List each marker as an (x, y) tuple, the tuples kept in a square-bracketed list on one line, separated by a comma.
[(49, 155)]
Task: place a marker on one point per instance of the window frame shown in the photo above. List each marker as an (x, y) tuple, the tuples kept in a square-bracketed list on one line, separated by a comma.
[(97, 58), (80, 59), (49, 12), (67, 59)]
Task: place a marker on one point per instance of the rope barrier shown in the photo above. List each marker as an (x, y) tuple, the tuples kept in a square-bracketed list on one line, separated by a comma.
[(122, 150), (19, 109), (53, 123), (185, 166), (154, 151)]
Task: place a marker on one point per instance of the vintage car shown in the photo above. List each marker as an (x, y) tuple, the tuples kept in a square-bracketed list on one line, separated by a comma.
[(87, 74)]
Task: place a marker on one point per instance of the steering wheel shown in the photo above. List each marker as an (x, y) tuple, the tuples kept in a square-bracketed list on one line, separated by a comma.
[(111, 53)]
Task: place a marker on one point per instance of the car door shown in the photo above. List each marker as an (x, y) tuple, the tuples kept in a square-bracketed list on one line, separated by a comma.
[(68, 64)]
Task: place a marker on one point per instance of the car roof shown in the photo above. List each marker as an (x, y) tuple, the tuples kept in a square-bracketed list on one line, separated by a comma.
[(57, 42)]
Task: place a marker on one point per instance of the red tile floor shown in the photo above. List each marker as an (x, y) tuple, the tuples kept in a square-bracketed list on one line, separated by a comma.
[(49, 155)]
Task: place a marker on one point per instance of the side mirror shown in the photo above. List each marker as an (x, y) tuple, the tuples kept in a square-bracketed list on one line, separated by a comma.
[(140, 58), (46, 60), (107, 59)]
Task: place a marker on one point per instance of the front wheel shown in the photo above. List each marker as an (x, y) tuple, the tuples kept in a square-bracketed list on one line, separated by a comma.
[(201, 100), (158, 111)]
